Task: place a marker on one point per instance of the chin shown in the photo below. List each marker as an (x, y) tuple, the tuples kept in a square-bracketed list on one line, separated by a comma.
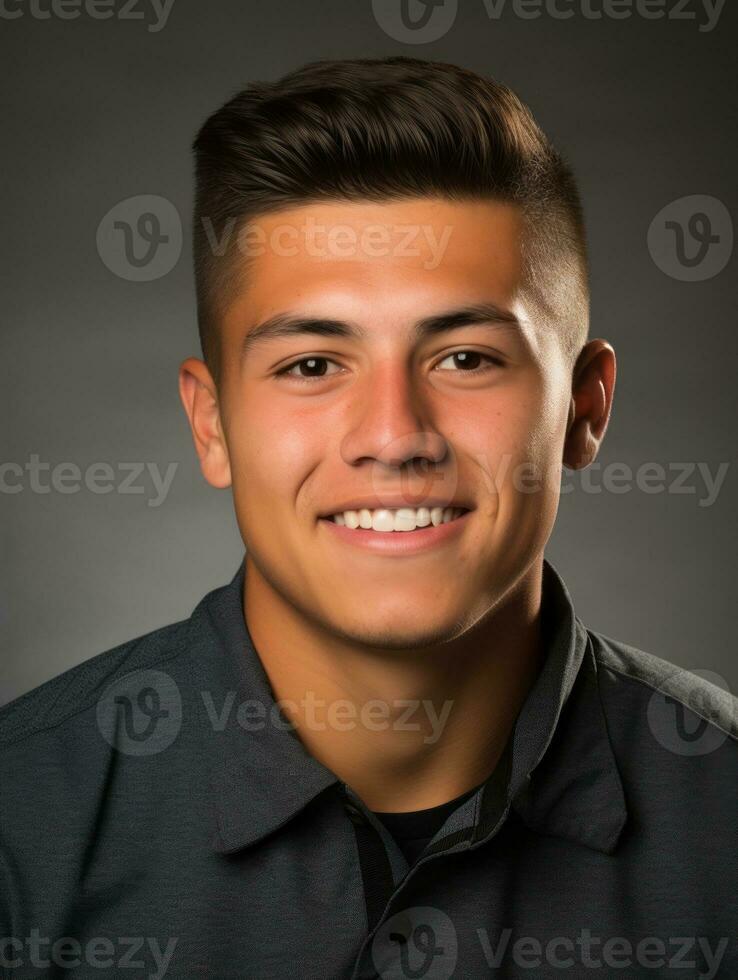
[(398, 632)]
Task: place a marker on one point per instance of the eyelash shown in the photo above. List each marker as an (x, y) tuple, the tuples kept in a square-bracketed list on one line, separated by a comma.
[(492, 361)]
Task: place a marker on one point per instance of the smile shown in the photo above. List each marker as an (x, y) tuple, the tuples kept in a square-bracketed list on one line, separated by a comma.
[(381, 530), (385, 520)]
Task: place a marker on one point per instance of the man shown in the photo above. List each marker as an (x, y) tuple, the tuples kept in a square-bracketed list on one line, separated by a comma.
[(388, 748)]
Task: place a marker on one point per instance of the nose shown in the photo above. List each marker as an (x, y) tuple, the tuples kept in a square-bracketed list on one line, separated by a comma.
[(390, 424)]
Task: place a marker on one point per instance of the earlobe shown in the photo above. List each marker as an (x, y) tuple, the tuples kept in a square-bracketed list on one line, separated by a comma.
[(199, 397), (593, 386)]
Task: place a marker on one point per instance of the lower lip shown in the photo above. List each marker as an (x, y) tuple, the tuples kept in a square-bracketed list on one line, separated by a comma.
[(398, 542)]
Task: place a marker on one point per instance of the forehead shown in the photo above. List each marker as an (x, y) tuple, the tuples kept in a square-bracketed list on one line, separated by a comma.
[(370, 259)]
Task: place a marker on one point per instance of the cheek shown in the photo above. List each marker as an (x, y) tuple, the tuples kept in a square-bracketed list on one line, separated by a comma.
[(516, 445), (506, 432), (271, 454), (533, 485)]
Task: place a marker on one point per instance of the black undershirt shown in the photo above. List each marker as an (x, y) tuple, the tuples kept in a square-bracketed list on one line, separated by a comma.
[(414, 829)]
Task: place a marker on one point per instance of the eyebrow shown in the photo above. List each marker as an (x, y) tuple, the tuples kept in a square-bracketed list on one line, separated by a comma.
[(290, 325)]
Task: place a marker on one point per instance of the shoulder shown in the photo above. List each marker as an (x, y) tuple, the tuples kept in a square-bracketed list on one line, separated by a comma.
[(74, 694), (640, 680)]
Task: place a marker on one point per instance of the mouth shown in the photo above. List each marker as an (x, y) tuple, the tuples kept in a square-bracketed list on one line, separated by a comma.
[(403, 520), (401, 532)]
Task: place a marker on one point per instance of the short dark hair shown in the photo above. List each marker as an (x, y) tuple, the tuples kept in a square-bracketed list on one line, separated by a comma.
[(377, 130)]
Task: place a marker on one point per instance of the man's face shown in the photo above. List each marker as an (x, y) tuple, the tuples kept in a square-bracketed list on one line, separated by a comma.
[(381, 411)]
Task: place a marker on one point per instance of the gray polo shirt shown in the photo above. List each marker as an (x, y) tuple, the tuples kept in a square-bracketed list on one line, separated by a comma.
[(160, 818)]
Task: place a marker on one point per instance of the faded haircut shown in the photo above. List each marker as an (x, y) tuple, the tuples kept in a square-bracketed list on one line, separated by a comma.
[(378, 130)]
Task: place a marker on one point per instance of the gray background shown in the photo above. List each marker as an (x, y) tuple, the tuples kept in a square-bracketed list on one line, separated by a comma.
[(97, 111)]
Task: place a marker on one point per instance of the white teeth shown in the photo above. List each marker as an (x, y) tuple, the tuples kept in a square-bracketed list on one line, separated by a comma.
[(403, 519), (422, 517), (383, 520)]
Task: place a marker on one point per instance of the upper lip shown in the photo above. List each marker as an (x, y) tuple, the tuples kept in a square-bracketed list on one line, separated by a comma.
[(393, 501)]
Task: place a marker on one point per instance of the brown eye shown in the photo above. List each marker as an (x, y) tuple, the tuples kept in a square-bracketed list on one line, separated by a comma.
[(465, 361), (307, 368)]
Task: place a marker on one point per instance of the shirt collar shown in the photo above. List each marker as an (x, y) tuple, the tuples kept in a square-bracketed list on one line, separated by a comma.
[(261, 775), (564, 779), (561, 773)]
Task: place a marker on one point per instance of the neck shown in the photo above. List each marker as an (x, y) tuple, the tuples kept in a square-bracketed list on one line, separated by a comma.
[(408, 729)]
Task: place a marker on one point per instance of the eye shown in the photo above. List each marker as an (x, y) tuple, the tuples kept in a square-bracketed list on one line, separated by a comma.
[(468, 362), (314, 368)]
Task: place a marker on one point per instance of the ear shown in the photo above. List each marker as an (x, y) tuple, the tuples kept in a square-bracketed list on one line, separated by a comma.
[(593, 385), (200, 399)]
